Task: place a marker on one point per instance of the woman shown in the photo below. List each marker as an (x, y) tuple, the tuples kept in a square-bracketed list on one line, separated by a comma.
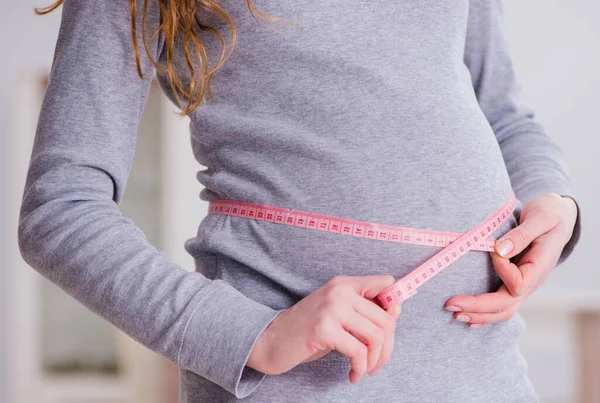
[(399, 113)]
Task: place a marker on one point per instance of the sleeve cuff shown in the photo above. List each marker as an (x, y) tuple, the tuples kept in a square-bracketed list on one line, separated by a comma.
[(574, 240), (220, 335)]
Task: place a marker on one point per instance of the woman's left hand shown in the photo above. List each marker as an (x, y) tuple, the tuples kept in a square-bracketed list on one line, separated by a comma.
[(545, 226)]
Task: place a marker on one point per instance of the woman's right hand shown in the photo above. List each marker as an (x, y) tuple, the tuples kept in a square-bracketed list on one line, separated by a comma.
[(342, 316)]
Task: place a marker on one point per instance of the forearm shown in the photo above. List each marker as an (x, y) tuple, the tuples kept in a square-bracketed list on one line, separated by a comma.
[(104, 261), (535, 163)]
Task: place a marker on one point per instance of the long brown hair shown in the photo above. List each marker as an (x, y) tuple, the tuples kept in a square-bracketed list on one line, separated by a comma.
[(180, 18)]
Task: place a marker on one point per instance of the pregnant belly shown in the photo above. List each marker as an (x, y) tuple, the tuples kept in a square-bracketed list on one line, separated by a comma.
[(447, 180), (443, 172)]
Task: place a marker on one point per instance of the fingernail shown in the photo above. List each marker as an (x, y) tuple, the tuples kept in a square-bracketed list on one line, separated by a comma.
[(463, 318), (475, 325), (453, 308), (505, 247)]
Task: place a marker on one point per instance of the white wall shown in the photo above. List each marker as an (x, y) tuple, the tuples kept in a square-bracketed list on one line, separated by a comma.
[(27, 41), (556, 49)]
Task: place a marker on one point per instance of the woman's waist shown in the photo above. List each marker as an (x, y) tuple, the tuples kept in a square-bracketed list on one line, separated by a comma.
[(377, 231), (269, 258), (451, 203)]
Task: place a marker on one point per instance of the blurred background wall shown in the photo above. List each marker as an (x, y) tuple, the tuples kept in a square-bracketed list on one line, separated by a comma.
[(27, 42), (556, 48)]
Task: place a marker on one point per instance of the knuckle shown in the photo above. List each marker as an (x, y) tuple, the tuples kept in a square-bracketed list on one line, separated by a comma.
[(390, 279), (334, 293), (520, 289), (517, 289), (330, 307), (389, 323), (329, 299), (546, 214), (506, 315), (337, 280), (378, 335), (322, 327), (521, 235)]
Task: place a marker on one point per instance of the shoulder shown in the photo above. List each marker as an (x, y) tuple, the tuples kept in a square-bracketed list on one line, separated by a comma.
[(111, 14)]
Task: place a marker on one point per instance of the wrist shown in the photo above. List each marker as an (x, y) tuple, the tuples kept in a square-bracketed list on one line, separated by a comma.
[(258, 358)]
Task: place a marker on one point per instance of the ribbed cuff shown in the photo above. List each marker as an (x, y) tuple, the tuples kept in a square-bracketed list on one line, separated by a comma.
[(220, 335)]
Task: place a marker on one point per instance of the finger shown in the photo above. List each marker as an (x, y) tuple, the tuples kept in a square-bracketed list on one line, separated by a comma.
[(510, 274), (544, 251), (372, 311), (388, 344), (534, 266), (493, 302), (385, 320), (370, 286), (395, 310), (536, 223), (351, 347), (368, 333), (483, 319)]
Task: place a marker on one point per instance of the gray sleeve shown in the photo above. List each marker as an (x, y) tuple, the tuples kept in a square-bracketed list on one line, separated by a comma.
[(72, 231), (535, 163)]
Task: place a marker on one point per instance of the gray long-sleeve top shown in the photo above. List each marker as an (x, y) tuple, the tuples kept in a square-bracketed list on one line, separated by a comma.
[(402, 113)]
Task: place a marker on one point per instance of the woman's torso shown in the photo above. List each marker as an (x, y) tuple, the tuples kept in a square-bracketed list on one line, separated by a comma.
[(369, 114)]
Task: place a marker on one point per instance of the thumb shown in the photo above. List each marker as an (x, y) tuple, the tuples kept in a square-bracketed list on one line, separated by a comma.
[(516, 240), (370, 286)]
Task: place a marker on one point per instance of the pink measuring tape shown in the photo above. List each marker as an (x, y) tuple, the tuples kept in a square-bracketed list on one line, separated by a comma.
[(454, 244)]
